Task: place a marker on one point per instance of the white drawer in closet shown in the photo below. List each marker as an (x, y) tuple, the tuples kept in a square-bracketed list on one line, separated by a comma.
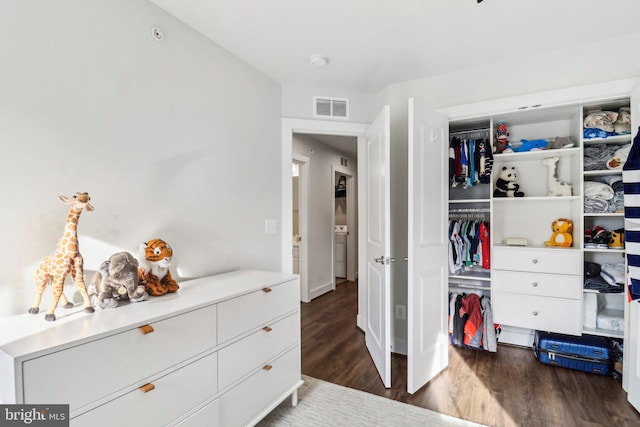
[(536, 312), (115, 362), (552, 260), (552, 285), (255, 350), (167, 398), (242, 314), (264, 387)]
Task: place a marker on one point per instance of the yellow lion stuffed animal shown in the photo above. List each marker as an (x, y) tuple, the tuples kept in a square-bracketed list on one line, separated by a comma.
[(153, 272), (561, 236)]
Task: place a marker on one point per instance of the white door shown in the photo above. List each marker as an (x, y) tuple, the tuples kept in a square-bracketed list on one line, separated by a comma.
[(427, 347), (632, 335), (373, 165)]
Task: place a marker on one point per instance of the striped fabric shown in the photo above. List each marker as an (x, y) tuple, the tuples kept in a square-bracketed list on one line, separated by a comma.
[(631, 180)]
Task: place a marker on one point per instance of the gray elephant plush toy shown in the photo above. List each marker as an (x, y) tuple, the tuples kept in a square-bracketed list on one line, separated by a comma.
[(116, 280)]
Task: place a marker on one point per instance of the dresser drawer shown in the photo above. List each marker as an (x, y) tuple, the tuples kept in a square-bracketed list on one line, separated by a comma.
[(264, 387), (173, 395), (552, 285), (208, 416), (254, 351), (561, 261), (240, 315), (537, 312), (82, 374)]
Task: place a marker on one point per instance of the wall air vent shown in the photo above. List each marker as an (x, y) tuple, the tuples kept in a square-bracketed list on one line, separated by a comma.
[(327, 107)]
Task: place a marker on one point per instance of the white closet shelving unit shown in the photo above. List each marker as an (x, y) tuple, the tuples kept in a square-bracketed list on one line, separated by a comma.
[(540, 287)]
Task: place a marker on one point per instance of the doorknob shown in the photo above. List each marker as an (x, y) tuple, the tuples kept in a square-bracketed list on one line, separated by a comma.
[(380, 259)]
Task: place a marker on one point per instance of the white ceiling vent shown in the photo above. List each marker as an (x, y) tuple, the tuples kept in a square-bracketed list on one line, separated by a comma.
[(337, 108)]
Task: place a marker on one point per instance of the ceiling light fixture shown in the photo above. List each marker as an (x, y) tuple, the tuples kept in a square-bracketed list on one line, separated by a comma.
[(318, 61)]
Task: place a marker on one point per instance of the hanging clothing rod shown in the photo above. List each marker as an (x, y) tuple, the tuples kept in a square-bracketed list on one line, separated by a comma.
[(466, 210), (476, 133)]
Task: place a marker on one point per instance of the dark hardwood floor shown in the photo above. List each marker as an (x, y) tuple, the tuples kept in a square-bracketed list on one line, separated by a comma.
[(507, 388)]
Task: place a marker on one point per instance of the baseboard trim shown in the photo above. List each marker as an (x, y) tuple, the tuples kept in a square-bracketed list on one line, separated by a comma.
[(320, 290)]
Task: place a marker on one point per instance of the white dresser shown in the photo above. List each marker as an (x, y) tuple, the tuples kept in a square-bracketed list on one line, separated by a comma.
[(222, 351)]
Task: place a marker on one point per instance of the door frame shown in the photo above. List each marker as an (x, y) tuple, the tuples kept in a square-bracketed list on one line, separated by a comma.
[(291, 126)]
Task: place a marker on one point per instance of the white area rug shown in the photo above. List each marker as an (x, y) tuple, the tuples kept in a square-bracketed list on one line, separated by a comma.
[(323, 404)]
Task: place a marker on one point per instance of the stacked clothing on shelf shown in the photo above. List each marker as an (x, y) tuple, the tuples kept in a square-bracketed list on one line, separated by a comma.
[(470, 162), (471, 322), (468, 245), (604, 194), (602, 156), (605, 278)]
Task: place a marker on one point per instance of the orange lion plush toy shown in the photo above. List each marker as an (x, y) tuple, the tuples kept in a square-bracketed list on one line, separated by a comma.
[(561, 236), (153, 272)]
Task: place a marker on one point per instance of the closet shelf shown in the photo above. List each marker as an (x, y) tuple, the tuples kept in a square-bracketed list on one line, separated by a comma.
[(608, 250), (616, 139), (475, 275), (466, 201), (611, 214), (535, 199), (602, 332), (538, 247), (603, 172), (536, 154)]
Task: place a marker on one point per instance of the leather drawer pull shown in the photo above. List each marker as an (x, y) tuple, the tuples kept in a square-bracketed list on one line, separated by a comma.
[(146, 329), (147, 388), (267, 367), (266, 290), (267, 329)]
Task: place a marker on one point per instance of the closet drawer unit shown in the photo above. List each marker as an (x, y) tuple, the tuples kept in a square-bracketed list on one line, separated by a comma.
[(264, 387), (115, 362), (242, 314), (552, 285), (255, 350), (538, 312), (540, 260), (171, 396)]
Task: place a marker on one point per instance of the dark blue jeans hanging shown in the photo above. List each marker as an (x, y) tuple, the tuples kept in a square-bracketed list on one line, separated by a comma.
[(631, 180)]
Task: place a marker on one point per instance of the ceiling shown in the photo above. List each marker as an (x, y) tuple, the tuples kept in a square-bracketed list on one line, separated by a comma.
[(342, 144), (373, 43)]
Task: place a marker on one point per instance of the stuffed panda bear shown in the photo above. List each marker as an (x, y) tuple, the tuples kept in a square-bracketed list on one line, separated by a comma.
[(506, 185)]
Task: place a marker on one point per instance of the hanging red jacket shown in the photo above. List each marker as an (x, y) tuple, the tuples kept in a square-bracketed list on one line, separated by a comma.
[(473, 326)]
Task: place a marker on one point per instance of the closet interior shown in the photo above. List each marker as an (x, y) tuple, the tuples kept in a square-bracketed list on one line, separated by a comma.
[(556, 229)]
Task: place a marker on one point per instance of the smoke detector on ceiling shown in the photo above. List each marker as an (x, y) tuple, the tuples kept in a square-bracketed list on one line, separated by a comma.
[(318, 61)]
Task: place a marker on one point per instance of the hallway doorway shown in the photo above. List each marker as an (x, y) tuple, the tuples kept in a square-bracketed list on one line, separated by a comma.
[(324, 213)]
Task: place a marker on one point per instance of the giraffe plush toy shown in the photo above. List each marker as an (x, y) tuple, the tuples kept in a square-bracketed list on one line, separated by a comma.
[(66, 260)]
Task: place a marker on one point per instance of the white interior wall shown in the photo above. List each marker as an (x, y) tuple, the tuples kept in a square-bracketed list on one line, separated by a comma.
[(321, 208), (178, 140)]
